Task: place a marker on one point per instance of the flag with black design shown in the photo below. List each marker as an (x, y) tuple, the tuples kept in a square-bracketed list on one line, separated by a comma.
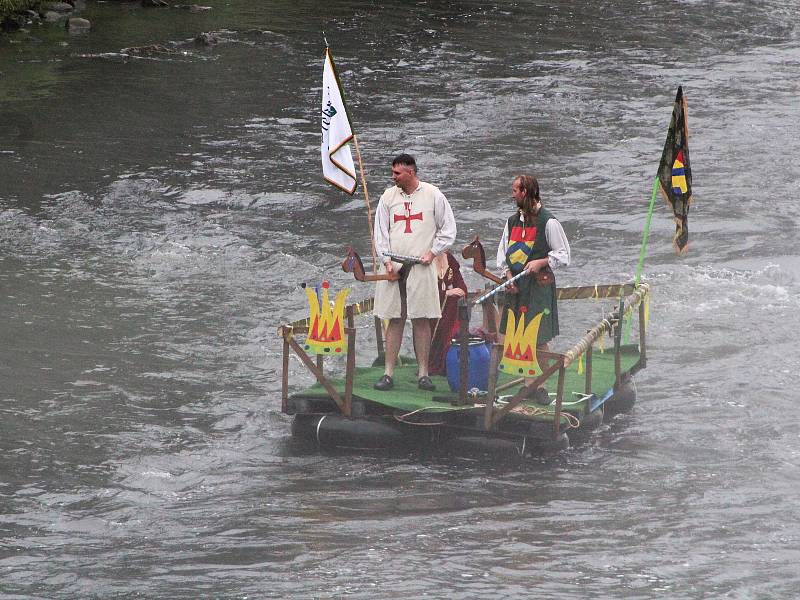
[(675, 172), (337, 133)]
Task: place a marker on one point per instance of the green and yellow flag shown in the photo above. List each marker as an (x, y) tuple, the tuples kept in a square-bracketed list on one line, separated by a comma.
[(675, 172)]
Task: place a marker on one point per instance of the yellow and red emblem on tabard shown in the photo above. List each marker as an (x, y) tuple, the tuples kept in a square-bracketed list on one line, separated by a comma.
[(326, 322), (519, 346)]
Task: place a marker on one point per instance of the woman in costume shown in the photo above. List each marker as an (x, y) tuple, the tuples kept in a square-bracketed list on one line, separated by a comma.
[(451, 288)]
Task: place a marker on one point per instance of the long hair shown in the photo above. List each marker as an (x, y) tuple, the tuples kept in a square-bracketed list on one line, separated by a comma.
[(531, 199)]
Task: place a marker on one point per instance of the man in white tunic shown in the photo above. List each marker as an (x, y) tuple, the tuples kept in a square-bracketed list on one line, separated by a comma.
[(413, 218)]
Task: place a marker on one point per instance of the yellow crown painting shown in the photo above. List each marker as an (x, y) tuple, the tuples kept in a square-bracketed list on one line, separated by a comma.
[(519, 346), (326, 329)]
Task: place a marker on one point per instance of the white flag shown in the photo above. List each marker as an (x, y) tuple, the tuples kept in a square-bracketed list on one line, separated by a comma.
[(337, 161)]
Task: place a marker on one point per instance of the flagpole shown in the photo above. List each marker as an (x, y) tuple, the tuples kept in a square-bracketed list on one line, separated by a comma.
[(643, 250), (369, 208), (360, 161)]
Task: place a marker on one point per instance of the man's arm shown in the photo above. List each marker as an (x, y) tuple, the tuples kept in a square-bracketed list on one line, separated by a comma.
[(501, 252), (445, 225), (560, 254)]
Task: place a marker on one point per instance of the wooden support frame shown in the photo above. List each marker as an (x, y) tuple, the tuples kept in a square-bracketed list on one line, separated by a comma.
[(311, 366), (518, 398), (492, 415)]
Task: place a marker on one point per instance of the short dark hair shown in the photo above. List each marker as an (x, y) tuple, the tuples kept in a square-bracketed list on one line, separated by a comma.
[(406, 160)]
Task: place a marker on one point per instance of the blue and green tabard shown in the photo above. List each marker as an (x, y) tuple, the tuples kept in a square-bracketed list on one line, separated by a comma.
[(526, 243)]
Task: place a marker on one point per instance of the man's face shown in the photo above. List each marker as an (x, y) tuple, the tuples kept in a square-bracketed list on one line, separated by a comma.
[(517, 192), (402, 175)]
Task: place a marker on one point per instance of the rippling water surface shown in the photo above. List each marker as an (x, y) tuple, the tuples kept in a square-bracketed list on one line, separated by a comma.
[(157, 214)]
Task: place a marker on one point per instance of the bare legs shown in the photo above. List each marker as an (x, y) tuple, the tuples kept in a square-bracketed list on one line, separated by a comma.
[(394, 336), (421, 330)]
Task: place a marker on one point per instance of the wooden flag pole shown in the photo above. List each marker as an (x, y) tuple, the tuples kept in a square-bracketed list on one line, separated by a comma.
[(369, 208)]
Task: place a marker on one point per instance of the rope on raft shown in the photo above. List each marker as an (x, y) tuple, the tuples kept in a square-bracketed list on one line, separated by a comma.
[(402, 418)]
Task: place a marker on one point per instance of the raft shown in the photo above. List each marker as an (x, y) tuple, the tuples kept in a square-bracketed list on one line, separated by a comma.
[(586, 386)]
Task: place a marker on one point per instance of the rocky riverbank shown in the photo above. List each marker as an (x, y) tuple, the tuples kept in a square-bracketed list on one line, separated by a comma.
[(18, 14)]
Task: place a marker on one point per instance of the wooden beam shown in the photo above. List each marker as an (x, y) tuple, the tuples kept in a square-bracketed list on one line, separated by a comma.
[(350, 371), (317, 373), (559, 402), (463, 356), (494, 360), (285, 377), (520, 396), (595, 291)]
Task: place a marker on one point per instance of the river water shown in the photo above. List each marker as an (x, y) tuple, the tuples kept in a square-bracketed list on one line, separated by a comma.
[(157, 214)]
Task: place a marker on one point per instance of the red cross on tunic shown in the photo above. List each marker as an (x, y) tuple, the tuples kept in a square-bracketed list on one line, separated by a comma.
[(408, 217)]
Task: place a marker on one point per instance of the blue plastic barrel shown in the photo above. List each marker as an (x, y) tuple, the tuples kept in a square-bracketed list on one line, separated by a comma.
[(478, 365)]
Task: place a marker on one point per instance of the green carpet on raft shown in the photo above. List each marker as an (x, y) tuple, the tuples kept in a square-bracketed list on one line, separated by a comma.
[(407, 396)]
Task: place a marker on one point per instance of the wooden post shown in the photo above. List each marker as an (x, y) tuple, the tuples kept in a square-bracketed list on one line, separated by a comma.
[(463, 341), (642, 346), (556, 362), (350, 362), (285, 375), (494, 360), (379, 338), (588, 388), (350, 371), (618, 343), (559, 400), (491, 316), (369, 208)]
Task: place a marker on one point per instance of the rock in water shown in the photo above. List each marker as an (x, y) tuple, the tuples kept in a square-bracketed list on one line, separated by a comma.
[(206, 39), (59, 7), (78, 25)]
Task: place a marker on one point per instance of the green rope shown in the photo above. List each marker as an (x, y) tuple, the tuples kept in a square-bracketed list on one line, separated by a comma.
[(642, 253)]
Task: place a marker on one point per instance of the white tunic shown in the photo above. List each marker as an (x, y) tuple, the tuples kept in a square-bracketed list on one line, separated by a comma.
[(411, 225)]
